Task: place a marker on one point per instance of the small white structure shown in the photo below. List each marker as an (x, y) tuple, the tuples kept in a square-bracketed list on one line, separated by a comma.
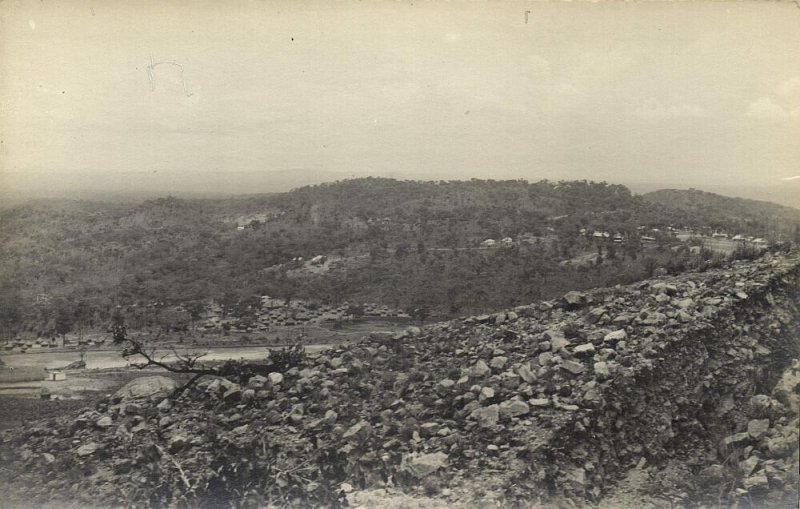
[(489, 243), (55, 376)]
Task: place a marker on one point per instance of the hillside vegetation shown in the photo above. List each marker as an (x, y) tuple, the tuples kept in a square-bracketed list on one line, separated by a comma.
[(70, 265)]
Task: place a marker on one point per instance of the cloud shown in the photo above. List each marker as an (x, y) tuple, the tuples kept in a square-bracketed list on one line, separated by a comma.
[(765, 107), (655, 109), (790, 88), (796, 177)]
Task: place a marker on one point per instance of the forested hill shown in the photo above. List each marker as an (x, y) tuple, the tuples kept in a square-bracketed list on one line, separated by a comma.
[(398, 243), (724, 212)]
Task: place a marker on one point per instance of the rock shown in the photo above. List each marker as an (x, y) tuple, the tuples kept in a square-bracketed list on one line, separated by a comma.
[(330, 417), (757, 428), (585, 349), (576, 475), (234, 393), (712, 475), (257, 382), (359, 432), (736, 438), (545, 358), (104, 422), (275, 378), (684, 303), (539, 402), (147, 387), (48, 458), (480, 369), (165, 405), (749, 465), (486, 417), (622, 319), (759, 405), (513, 408), (414, 331), (757, 481), (420, 466), (573, 367), (248, 395), (574, 299), (87, 449), (498, 362), (558, 343), (445, 386), (617, 335), (782, 445), (661, 287), (601, 369), (526, 374), (486, 393), (595, 314)]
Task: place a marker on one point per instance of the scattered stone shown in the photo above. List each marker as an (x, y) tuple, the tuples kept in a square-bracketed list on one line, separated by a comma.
[(146, 387), (757, 428), (617, 335), (104, 422), (480, 369), (486, 416), (585, 349), (421, 466), (573, 367), (513, 408), (87, 449)]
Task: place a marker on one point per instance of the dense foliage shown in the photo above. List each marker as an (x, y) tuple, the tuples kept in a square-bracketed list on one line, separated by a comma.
[(70, 265)]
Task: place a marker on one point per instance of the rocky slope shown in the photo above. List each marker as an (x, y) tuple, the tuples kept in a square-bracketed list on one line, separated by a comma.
[(677, 390)]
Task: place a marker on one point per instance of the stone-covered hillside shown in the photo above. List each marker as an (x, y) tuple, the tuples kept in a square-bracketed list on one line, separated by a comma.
[(676, 390)]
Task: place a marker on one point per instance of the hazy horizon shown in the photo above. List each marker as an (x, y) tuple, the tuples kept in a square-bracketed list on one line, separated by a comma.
[(206, 98)]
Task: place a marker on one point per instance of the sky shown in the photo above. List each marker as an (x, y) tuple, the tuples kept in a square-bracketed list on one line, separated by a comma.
[(247, 97)]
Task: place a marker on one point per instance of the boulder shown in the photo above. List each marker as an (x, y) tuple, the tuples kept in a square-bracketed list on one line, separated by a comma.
[(573, 367), (617, 335), (513, 408), (87, 449), (757, 428), (585, 349), (486, 417), (146, 387), (420, 466)]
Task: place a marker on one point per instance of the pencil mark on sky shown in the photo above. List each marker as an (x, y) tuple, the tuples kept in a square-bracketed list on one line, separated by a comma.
[(151, 73)]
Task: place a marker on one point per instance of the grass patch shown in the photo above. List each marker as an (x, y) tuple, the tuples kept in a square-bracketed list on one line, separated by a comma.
[(22, 374)]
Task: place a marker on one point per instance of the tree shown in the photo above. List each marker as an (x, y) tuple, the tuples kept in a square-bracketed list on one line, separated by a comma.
[(119, 332), (63, 322), (355, 311), (419, 313)]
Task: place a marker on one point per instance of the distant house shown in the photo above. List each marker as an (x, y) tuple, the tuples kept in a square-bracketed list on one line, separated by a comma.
[(760, 242), (489, 243), (738, 237), (618, 238), (601, 235), (507, 242), (647, 238), (55, 376), (719, 235)]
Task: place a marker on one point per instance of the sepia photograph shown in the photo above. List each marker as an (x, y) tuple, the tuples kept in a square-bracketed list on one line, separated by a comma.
[(399, 254)]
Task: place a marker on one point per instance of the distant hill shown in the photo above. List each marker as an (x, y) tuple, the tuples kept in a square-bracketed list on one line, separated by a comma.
[(406, 244), (737, 215)]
